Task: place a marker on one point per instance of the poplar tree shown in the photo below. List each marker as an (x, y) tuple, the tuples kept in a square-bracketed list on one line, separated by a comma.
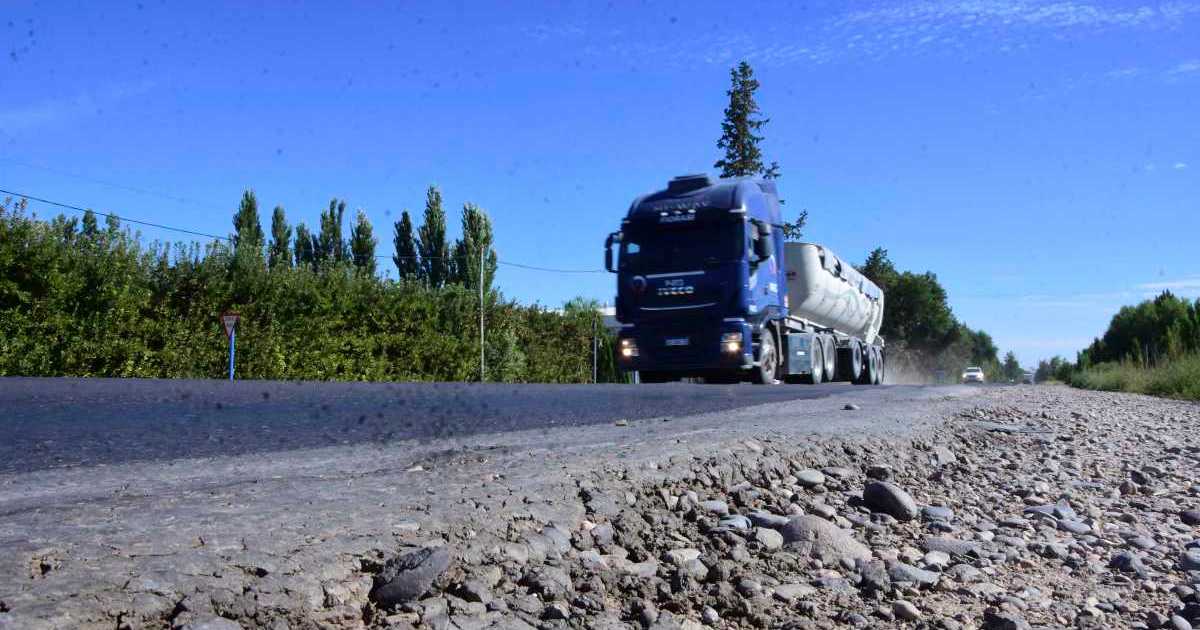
[(304, 247), (281, 236), (431, 241), (329, 244), (362, 245), (405, 244), (90, 227), (247, 229), (739, 137), (474, 249)]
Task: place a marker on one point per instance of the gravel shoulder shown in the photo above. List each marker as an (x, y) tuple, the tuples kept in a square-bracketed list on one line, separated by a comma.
[(925, 507)]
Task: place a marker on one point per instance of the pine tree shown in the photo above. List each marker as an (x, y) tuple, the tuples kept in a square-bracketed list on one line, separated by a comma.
[(474, 248), (247, 229), (329, 244), (305, 256), (431, 241), (407, 265), (281, 236), (739, 139), (362, 245)]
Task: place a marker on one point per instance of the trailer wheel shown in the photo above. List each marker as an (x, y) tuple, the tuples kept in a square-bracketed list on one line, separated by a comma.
[(867, 374), (768, 360), (852, 363), (818, 366), (829, 350), (872, 367)]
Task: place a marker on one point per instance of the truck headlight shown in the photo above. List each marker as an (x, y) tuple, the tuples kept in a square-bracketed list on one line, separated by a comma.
[(629, 348), (731, 342)]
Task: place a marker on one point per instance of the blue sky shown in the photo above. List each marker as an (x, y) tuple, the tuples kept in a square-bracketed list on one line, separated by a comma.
[(1041, 157)]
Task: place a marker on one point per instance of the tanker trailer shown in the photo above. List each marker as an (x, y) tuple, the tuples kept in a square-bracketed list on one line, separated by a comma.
[(707, 288)]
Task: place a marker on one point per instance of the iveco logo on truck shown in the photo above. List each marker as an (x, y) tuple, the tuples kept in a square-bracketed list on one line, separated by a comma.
[(676, 218)]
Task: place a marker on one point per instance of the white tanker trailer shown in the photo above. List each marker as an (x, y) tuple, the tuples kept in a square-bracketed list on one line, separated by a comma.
[(844, 309)]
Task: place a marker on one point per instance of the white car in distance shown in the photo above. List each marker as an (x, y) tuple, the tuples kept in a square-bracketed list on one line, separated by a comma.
[(973, 375)]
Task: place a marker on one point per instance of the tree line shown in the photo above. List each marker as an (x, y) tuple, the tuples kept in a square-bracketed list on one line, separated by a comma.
[(82, 299), (921, 330), (423, 254)]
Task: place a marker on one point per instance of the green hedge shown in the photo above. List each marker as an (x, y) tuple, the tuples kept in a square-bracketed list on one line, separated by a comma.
[(96, 302)]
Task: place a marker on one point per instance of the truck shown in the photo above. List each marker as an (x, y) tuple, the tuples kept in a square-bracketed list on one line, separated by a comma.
[(707, 288)]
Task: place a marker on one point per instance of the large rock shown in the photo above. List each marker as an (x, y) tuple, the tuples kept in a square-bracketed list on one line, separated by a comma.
[(886, 497), (1004, 620), (903, 572), (1129, 562), (680, 557), (768, 538), (762, 518), (407, 577), (1190, 560), (954, 547), (810, 478), (823, 540)]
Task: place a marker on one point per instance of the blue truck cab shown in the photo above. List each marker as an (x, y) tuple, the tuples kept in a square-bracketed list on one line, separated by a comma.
[(700, 273)]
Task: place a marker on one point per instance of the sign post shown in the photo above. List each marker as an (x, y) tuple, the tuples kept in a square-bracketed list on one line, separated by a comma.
[(230, 320)]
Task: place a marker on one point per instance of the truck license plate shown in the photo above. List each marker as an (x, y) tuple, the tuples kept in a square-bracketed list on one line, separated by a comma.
[(677, 341)]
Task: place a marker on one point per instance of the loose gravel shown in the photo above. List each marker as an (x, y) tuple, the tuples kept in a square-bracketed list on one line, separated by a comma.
[(1039, 507)]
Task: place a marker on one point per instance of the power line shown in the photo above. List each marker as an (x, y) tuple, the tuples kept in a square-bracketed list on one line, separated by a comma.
[(115, 216), (550, 269), (225, 238)]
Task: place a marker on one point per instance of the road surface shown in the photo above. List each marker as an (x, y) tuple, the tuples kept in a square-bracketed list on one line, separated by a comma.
[(161, 503), (54, 423)]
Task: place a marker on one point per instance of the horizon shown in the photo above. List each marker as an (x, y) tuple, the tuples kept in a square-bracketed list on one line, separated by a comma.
[(1038, 157)]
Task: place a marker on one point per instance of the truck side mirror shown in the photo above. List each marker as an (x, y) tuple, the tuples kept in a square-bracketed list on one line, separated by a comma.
[(608, 256), (764, 245)]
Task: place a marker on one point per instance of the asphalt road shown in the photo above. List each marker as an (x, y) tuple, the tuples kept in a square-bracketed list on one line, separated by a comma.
[(55, 423)]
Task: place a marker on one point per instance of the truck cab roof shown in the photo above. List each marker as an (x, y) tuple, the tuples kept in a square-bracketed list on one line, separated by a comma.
[(697, 193)]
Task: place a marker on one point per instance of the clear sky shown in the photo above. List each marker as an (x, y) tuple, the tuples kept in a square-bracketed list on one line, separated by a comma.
[(1043, 158)]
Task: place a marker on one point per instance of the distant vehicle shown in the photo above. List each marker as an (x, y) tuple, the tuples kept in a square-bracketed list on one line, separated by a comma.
[(973, 375), (707, 287), (1027, 378)]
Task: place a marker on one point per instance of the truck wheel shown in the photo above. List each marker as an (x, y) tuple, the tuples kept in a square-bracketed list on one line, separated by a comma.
[(768, 360), (818, 366)]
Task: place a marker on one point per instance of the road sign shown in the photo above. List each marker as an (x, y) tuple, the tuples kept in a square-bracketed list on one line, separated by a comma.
[(230, 320)]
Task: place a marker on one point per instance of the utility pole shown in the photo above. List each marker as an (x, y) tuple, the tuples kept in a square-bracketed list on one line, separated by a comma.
[(482, 373), (595, 349)]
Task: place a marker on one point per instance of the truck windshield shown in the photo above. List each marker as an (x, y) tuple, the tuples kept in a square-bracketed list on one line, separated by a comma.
[(665, 249)]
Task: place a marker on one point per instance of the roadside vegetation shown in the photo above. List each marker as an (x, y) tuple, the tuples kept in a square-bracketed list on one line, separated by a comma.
[(78, 298), (1150, 348)]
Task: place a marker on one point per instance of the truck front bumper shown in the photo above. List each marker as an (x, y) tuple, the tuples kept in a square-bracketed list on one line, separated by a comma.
[(696, 350)]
